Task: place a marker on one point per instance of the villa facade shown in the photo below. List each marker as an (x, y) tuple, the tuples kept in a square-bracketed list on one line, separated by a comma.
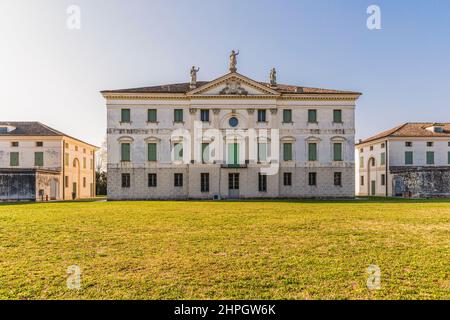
[(232, 137), (411, 160), (38, 163)]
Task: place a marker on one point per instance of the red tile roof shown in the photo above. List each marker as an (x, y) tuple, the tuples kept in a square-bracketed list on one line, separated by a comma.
[(412, 130)]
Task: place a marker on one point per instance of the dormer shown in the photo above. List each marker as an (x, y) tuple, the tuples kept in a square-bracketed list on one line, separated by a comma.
[(6, 129), (436, 128)]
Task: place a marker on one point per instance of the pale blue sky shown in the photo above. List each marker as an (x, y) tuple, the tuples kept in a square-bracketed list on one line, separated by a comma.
[(51, 74)]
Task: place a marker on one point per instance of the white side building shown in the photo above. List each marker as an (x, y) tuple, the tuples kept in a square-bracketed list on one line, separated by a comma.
[(257, 140), (411, 160)]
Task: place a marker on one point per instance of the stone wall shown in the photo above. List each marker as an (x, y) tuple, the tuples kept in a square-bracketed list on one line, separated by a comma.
[(218, 183), (421, 182)]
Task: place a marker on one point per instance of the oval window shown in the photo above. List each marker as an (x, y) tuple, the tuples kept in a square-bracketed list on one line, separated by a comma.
[(233, 122)]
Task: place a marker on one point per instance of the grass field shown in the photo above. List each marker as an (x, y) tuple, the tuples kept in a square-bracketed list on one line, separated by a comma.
[(226, 250)]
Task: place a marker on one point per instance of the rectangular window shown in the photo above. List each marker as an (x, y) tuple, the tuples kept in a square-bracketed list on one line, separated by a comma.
[(205, 152), (178, 152), (408, 144), (262, 182), (151, 115), (337, 151), (430, 157), (39, 144), (76, 148), (409, 159), (178, 179), (84, 163), (14, 159), (204, 115), (312, 151), (92, 164), (233, 181), (14, 144), (66, 160), (126, 180), (448, 156), (125, 148), (338, 179), (429, 144), (262, 152), (312, 181), (361, 162), (287, 151), (39, 159), (261, 115), (371, 148), (362, 180), (178, 115), (287, 179), (287, 116), (84, 182), (152, 180), (383, 158), (312, 116), (383, 146), (383, 179), (151, 152), (204, 182), (125, 115), (337, 116), (66, 181)]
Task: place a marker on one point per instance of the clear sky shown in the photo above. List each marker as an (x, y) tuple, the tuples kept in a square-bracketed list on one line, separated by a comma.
[(51, 74)]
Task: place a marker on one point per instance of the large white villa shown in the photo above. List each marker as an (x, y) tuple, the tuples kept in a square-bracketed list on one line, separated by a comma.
[(232, 137)]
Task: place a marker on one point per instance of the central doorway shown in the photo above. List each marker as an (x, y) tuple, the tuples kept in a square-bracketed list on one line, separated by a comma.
[(233, 185)]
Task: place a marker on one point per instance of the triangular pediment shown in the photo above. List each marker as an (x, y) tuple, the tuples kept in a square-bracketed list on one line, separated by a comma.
[(233, 84)]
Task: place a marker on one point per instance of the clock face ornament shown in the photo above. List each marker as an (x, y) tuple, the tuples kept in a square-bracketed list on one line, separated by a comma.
[(233, 122)]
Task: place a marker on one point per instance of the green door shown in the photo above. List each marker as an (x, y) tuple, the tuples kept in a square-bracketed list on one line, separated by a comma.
[(372, 188), (74, 190), (233, 153)]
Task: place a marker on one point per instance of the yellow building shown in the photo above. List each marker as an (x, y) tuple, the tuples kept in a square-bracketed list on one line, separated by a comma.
[(39, 163)]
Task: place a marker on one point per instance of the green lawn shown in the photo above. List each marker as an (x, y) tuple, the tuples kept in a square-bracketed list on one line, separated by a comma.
[(226, 250)]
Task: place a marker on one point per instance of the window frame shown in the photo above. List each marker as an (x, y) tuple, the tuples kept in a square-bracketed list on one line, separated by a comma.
[(178, 180), (14, 159), (287, 119), (262, 115), (312, 179), (41, 159), (337, 119), (126, 180), (123, 112), (123, 151), (287, 179), (337, 179), (204, 182), (178, 116), (311, 118), (152, 180), (204, 115), (262, 182), (154, 118)]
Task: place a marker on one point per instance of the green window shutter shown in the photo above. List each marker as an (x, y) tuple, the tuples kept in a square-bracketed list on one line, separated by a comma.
[(125, 151), (152, 152), (430, 157), (448, 156), (178, 115), (287, 116), (337, 116), (409, 157), (39, 159), (383, 158), (151, 116), (178, 151), (312, 116), (262, 151), (14, 159), (361, 162), (338, 152), (233, 153), (205, 152), (125, 115), (312, 152), (287, 151)]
